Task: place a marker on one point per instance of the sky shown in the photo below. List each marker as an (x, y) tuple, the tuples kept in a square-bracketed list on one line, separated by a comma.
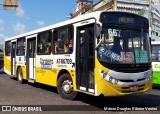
[(32, 15)]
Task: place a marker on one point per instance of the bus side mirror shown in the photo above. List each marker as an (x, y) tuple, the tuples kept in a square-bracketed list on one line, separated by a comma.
[(98, 30), (150, 43)]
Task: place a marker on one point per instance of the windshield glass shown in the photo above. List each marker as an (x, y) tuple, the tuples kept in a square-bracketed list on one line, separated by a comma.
[(123, 46), (155, 53)]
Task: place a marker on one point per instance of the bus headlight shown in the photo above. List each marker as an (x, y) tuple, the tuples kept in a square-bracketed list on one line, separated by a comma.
[(113, 80), (148, 75), (109, 78), (149, 78)]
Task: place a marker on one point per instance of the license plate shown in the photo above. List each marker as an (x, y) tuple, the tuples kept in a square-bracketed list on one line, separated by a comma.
[(134, 88)]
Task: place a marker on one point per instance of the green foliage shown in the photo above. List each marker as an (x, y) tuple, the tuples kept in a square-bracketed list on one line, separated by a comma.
[(141, 12), (71, 14)]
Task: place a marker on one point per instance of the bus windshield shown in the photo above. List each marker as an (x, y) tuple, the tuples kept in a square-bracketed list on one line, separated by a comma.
[(124, 46), (156, 53)]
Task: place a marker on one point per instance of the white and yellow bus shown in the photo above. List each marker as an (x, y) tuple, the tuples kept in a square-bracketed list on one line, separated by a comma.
[(100, 53)]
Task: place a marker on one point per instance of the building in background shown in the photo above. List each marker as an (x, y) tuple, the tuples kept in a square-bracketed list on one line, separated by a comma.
[(140, 7), (10, 4), (82, 6), (155, 19)]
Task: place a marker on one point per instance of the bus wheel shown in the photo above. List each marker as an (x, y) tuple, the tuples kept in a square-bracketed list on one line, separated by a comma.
[(65, 87), (20, 75)]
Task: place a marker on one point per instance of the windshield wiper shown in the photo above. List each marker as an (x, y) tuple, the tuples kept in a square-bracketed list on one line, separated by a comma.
[(101, 40)]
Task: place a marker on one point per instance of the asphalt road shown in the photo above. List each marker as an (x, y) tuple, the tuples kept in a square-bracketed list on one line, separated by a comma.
[(14, 93)]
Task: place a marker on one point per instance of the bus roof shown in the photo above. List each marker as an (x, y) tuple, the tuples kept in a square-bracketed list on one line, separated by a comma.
[(70, 21), (84, 17)]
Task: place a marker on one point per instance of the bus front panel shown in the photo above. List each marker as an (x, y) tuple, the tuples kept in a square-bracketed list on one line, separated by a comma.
[(123, 61)]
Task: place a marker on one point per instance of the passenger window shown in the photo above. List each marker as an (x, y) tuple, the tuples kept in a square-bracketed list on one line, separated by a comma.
[(44, 43), (63, 40)]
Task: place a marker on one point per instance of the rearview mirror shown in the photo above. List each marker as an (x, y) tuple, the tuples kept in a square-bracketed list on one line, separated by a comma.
[(98, 30)]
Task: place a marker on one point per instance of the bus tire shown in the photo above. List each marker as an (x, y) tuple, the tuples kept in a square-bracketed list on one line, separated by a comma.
[(20, 75), (65, 87)]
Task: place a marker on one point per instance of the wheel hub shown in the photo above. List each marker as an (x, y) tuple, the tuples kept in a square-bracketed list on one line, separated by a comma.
[(67, 86)]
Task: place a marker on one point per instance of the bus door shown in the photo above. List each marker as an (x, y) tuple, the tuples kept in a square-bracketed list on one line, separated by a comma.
[(30, 58), (13, 58), (85, 58)]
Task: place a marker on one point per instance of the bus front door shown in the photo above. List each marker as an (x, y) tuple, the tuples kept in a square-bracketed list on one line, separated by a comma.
[(30, 58), (13, 59), (85, 58)]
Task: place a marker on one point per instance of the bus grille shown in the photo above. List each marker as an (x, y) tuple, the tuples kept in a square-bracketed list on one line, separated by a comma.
[(128, 68), (132, 80), (132, 70), (127, 89)]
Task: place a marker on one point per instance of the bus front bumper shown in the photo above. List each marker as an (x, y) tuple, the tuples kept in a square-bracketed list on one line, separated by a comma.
[(109, 89)]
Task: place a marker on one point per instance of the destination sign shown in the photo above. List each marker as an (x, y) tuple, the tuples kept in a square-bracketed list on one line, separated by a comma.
[(126, 20), (123, 18)]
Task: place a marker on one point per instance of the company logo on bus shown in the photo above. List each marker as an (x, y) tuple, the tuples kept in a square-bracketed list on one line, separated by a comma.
[(46, 63), (156, 66)]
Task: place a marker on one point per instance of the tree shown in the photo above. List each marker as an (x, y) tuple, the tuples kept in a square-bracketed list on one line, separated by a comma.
[(141, 12)]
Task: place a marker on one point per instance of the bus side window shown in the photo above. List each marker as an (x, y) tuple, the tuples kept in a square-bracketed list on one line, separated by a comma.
[(44, 43), (70, 39), (63, 40)]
